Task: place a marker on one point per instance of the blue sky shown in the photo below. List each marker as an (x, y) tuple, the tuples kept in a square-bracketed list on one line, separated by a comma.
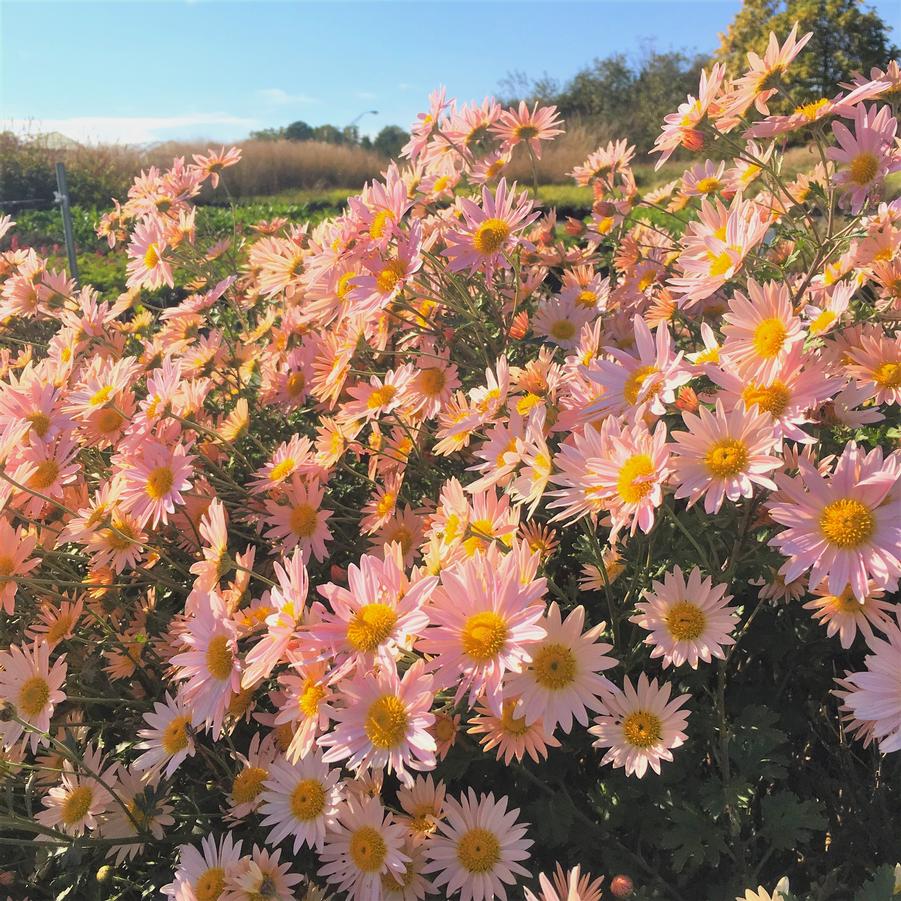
[(136, 70)]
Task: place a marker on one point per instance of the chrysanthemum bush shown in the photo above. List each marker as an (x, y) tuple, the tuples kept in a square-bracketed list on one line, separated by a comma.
[(445, 550)]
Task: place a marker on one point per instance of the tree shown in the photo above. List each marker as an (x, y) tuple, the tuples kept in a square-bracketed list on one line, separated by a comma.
[(329, 134), (847, 37), (268, 134), (299, 131), (389, 141)]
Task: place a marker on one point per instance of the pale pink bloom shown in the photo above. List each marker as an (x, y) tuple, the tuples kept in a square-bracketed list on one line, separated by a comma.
[(365, 846), (511, 733), (874, 696), (529, 126), (378, 397), (563, 679), (823, 316), (300, 520), (292, 456), (426, 124), (147, 808), (604, 162), (423, 802), (16, 547), (568, 885), (489, 232), (761, 329), (155, 480), (78, 803), (845, 528), (875, 363), (211, 668), (704, 179), (560, 319), (479, 848), (640, 727), (215, 161), (147, 265), (307, 706), (45, 468), (301, 799), (383, 722), (411, 885), (843, 614), (57, 621), (484, 623), (723, 455), (262, 876), (205, 873), (169, 741), (689, 620), (34, 688), (254, 769), (575, 471)]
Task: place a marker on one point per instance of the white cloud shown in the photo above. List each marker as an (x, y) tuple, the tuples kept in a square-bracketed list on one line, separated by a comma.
[(278, 97), (134, 129)]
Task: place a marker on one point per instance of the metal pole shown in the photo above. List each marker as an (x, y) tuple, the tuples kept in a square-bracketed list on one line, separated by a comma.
[(62, 198)]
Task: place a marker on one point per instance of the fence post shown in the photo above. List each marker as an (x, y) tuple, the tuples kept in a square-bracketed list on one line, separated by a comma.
[(62, 198)]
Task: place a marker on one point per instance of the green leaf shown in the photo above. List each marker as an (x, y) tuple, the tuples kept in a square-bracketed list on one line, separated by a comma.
[(692, 837), (788, 821), (879, 887)]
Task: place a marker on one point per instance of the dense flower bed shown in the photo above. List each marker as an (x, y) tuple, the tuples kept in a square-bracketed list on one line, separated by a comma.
[(443, 549)]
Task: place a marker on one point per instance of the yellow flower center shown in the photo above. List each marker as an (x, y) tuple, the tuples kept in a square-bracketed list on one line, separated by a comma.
[(386, 722), (107, 420), (248, 784), (888, 375), (635, 382), (772, 399), (726, 458), (525, 132), (210, 884), (307, 799), (121, 536), (632, 485), (822, 322), (586, 298), (370, 627), (388, 278), (642, 729), (720, 264), (381, 396), (282, 470), (101, 396), (478, 851), (490, 236), (769, 337), (151, 256), (562, 330), (175, 736), (219, 658), (45, 475), (444, 729), (40, 423), (76, 806), (863, 169), (60, 628), (512, 725), (33, 696), (303, 520), (7, 565), (554, 666), (345, 285), (159, 483), (431, 381), (685, 621), (484, 635), (368, 849), (709, 185), (310, 697), (847, 523), (379, 223), (295, 384), (846, 602)]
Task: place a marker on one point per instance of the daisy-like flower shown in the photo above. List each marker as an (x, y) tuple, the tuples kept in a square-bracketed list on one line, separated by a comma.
[(306, 706), (567, 886), (875, 364), (845, 528), (762, 894), (640, 727), (490, 231), (57, 623), (365, 845), (154, 482), (484, 624), (211, 668), (204, 874), (384, 723), (300, 520), (169, 740), (301, 799), (290, 457), (511, 733), (147, 266), (479, 848), (247, 786), (215, 161), (78, 803), (263, 876), (16, 547), (761, 329), (145, 811), (561, 319), (423, 802), (562, 681), (529, 126), (843, 614), (412, 885), (34, 688), (723, 455), (689, 620)]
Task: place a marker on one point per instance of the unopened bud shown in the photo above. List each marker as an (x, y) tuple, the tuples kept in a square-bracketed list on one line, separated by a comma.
[(621, 886), (104, 873)]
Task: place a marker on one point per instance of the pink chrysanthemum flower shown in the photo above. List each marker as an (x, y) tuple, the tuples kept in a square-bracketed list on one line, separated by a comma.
[(15, 560), (307, 707), (484, 624), (365, 846), (205, 873), (247, 786), (212, 164), (57, 622), (567, 886), (262, 876), (292, 456), (300, 520), (301, 800), (479, 848), (145, 809), (154, 482), (562, 680), (875, 365), (845, 528), (147, 266), (761, 329), (384, 723), (723, 455), (490, 231), (640, 727), (511, 733), (78, 803), (34, 688), (528, 126), (689, 620), (211, 668), (169, 740), (844, 615), (423, 802)]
